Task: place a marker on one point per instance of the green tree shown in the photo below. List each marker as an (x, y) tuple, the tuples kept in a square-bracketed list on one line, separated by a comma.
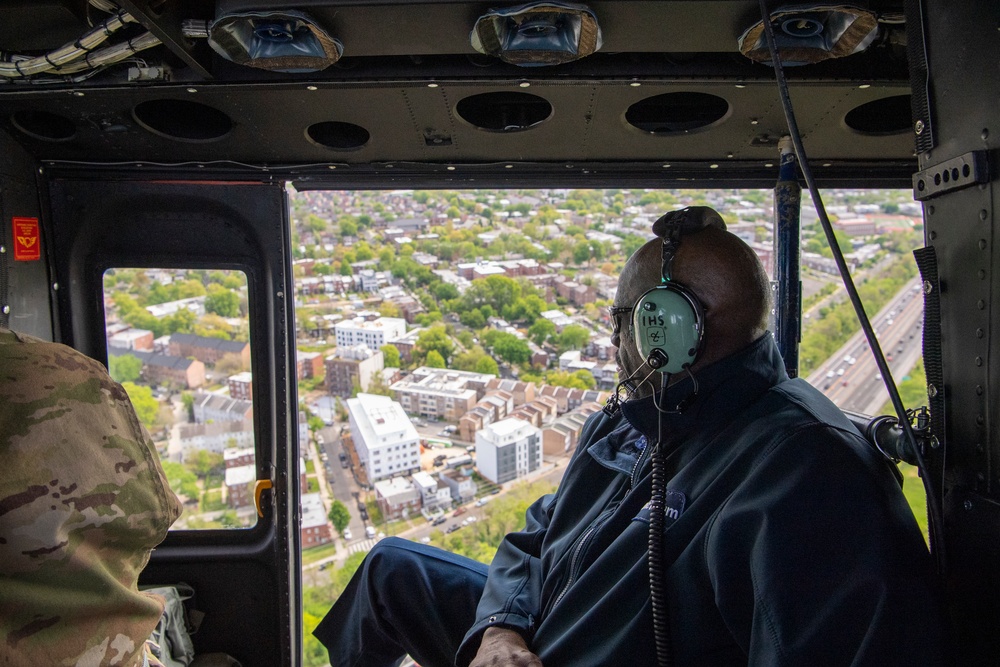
[(487, 365), (339, 515), (573, 337), (435, 339), (204, 463), (390, 353), (540, 331), (221, 301), (181, 480), (435, 360), (124, 367), (146, 407), (187, 399)]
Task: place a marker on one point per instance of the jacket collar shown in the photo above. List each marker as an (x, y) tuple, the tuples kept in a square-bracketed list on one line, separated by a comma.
[(724, 389)]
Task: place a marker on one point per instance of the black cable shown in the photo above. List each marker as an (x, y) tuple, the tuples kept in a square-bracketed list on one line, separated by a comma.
[(933, 501), (657, 520)]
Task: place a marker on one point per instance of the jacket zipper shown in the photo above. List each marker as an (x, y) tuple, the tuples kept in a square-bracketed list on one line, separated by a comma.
[(594, 526)]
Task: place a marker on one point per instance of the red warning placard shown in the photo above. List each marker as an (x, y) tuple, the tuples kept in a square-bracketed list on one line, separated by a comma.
[(27, 241)]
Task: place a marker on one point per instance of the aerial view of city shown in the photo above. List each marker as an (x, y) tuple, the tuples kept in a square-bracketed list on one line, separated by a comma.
[(450, 347)]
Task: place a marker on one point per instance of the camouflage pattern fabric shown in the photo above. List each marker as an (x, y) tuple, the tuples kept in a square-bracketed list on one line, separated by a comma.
[(83, 501)]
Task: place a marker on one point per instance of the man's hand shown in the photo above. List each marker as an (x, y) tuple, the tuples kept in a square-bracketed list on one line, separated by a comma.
[(502, 647)]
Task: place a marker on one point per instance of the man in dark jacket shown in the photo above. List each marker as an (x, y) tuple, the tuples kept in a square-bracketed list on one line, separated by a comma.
[(786, 538)]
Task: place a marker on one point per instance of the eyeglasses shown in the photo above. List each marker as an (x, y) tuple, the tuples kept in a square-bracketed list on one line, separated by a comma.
[(616, 313)]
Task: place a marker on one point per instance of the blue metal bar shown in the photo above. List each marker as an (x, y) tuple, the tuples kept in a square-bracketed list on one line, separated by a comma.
[(787, 279)]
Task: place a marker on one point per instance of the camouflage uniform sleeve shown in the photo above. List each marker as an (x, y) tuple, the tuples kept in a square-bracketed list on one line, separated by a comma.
[(83, 501)]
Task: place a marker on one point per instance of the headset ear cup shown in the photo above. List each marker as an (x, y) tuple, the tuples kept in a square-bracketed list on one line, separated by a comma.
[(668, 327)]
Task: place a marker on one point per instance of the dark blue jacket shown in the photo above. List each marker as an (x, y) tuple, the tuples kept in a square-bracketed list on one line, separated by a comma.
[(788, 541)]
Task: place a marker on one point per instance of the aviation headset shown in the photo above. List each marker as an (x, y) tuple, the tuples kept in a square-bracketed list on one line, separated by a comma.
[(668, 321)]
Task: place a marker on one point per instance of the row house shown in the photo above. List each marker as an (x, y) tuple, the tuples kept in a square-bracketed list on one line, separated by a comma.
[(569, 399), (308, 365), (398, 497), (434, 493), (576, 293), (166, 369), (208, 350), (493, 407), (561, 436), (460, 484), (215, 437), (210, 407), (538, 411), (521, 392), (315, 528), (405, 344)]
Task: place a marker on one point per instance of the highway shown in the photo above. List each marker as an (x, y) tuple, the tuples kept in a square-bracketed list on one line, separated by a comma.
[(850, 377)]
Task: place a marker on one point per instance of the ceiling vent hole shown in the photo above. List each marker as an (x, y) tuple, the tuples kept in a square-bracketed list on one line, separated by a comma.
[(44, 125), (889, 115), (338, 136), (504, 111), (182, 120), (676, 113)]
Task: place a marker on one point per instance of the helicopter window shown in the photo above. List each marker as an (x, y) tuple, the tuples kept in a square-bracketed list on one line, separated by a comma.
[(178, 341)]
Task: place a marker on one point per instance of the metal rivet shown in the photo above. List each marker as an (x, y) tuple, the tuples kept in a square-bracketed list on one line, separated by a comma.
[(754, 121), (918, 127), (980, 420), (983, 214), (967, 505), (931, 391), (979, 390), (981, 304), (979, 332), (930, 210), (979, 361), (3, 249), (982, 244), (935, 443), (493, 619), (55, 286), (6, 309), (311, 88), (281, 295), (933, 235), (982, 274), (524, 84), (928, 287), (986, 134), (192, 90)]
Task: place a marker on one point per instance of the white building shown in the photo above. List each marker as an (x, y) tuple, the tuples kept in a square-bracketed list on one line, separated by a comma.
[(216, 436), (385, 440), (433, 492), (374, 334), (508, 449)]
